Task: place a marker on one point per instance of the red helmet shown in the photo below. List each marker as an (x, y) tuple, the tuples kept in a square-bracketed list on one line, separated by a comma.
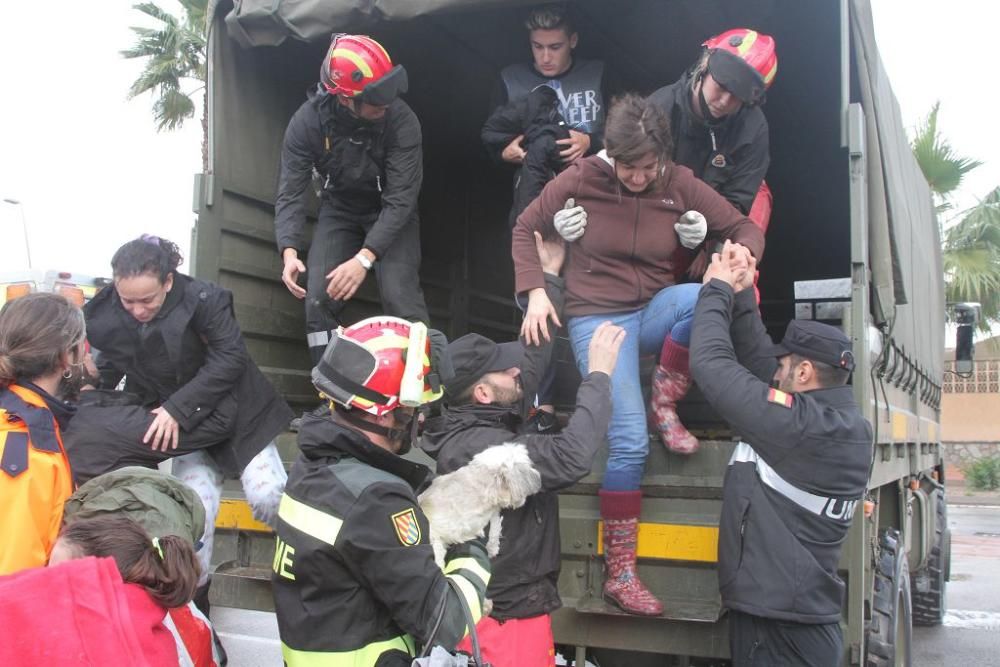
[(357, 65), (751, 71), (365, 366)]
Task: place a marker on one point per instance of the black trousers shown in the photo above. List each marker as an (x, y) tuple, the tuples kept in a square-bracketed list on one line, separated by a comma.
[(339, 235), (755, 641), (106, 434)]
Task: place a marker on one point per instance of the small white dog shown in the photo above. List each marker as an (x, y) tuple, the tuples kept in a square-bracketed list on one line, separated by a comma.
[(460, 504)]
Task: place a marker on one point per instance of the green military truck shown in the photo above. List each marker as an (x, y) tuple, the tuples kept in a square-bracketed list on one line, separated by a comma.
[(853, 241)]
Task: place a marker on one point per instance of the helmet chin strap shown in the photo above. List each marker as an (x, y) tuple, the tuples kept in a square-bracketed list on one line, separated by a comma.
[(404, 435)]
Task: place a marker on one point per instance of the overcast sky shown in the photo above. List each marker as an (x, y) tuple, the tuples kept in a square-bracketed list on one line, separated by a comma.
[(91, 172)]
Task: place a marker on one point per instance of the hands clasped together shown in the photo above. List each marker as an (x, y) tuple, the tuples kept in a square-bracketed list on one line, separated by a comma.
[(734, 266)]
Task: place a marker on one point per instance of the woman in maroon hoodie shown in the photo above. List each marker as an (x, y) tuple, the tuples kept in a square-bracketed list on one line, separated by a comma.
[(630, 197)]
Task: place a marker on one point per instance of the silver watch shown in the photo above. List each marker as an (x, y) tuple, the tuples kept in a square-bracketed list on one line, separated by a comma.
[(364, 261)]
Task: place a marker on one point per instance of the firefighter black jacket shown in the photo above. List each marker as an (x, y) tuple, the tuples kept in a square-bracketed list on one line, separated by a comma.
[(526, 570), (731, 155), (366, 167), (795, 478), (354, 571)]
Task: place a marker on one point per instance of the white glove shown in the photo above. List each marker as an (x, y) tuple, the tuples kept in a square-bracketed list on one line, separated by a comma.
[(571, 221), (691, 228)]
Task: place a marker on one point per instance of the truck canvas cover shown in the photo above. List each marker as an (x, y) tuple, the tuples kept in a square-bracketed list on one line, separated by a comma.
[(454, 50)]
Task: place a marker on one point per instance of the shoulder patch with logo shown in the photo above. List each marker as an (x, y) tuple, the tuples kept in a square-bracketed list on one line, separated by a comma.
[(780, 397), (407, 528)]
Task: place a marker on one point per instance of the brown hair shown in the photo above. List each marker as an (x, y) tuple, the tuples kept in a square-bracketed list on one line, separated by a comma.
[(636, 127), (550, 17), (35, 331), (698, 71), (170, 578)]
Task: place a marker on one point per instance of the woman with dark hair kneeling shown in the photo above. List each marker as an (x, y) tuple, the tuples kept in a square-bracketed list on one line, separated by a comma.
[(625, 215), (42, 351), (190, 387)]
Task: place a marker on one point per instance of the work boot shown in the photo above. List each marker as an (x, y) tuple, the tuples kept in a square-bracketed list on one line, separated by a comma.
[(620, 513), (671, 381)]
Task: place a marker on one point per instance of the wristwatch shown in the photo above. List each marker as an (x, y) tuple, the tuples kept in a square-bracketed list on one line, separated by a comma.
[(364, 261)]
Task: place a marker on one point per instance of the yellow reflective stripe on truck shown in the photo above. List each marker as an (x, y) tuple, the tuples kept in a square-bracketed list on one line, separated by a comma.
[(673, 541), (236, 515), (362, 657), (656, 540)]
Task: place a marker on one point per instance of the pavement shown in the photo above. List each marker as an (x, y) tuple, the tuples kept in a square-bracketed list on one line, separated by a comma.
[(250, 637), (969, 636), (960, 494)]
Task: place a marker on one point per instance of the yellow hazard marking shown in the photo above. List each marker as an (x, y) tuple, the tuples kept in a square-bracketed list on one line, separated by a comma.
[(770, 74), (899, 425), (236, 515), (747, 42), (355, 59), (673, 541)]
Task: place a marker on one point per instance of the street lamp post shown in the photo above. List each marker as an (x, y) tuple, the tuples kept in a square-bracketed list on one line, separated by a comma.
[(24, 225)]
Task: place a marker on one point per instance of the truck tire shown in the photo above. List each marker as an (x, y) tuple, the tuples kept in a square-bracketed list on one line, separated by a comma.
[(887, 640), (930, 582)]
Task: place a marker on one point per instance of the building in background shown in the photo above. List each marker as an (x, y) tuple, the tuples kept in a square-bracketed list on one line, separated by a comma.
[(970, 427)]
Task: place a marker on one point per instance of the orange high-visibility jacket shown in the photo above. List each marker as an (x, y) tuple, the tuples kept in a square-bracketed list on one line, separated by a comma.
[(35, 479)]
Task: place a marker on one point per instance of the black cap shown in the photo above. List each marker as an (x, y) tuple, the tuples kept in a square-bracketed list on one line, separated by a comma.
[(816, 341), (473, 356)]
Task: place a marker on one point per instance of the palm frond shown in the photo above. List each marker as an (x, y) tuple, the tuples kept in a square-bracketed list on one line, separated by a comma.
[(151, 79), (942, 166), (172, 108), (971, 257), (174, 51), (153, 10), (979, 225)]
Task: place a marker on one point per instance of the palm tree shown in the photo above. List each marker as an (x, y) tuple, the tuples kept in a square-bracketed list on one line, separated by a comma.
[(175, 53), (942, 167), (971, 255), (970, 240)]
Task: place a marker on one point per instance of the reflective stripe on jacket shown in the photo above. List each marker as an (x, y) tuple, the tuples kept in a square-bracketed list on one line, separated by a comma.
[(793, 482), (353, 575)]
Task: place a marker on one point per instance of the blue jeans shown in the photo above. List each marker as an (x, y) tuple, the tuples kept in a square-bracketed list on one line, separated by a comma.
[(669, 313)]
